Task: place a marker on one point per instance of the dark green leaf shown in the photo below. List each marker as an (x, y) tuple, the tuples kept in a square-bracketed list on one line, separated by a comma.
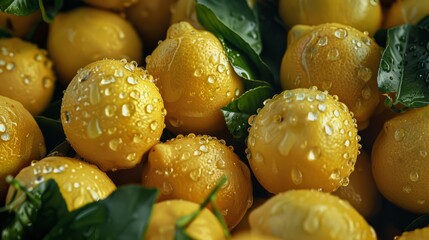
[(53, 110), (50, 8), (380, 37), (181, 234), (35, 220), (234, 20), (237, 113), (123, 215), (424, 22), (274, 36), (19, 7), (420, 222), (52, 131), (207, 11), (63, 149), (404, 67)]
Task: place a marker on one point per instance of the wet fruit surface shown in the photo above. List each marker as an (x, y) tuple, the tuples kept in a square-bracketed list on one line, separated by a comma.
[(303, 138), (112, 113)]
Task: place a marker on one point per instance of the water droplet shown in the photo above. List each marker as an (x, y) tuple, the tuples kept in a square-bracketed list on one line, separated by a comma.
[(421, 201), (385, 66), (300, 96), (2, 127), (127, 109), (364, 74), (335, 175), (210, 79), (110, 110), (221, 164), (93, 129), (336, 113), (221, 68), (94, 94), (197, 73), (153, 125), (130, 66), (344, 182), (347, 143), (333, 54), (131, 157), (5, 137), (366, 92), (195, 174), (312, 223), (39, 179), (296, 176), (38, 57), (76, 185), (414, 176), (423, 153), (47, 82), (323, 41), (312, 116), (399, 134), (10, 66), (59, 169), (321, 107), (26, 80), (328, 130), (258, 157), (197, 153), (131, 80), (115, 144), (341, 33), (373, 2), (204, 148), (149, 108), (326, 85)]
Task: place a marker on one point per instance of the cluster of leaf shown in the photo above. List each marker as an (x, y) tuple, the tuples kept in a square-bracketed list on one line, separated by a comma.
[(42, 213)]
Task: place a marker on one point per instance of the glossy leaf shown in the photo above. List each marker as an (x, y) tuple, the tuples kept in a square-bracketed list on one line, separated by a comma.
[(420, 222), (52, 131), (237, 113), (123, 215), (404, 70)]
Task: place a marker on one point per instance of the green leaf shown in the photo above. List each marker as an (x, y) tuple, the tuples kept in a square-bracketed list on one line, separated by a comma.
[(123, 215), (215, 17), (48, 13), (19, 7), (35, 216), (404, 70), (424, 22), (237, 113), (420, 222), (52, 131), (274, 36), (232, 19)]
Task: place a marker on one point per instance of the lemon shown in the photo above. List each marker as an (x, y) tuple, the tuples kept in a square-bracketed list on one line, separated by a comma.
[(399, 160), (165, 215), (336, 58), (112, 113), (189, 167), (195, 79), (363, 15), (79, 182), (417, 234), (27, 74), (21, 140), (405, 12), (84, 35), (302, 138), (309, 214)]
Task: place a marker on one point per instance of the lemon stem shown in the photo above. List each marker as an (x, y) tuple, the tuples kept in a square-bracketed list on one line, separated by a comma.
[(20, 187)]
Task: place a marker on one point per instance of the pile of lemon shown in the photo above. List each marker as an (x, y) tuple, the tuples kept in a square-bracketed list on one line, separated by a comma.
[(327, 152)]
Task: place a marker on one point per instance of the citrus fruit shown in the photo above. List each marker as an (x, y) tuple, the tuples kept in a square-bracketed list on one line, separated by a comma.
[(405, 12), (27, 74), (84, 35), (249, 235), (165, 215), (309, 214), (336, 58), (151, 19), (79, 182), (417, 234), (195, 79), (361, 192), (400, 160), (189, 167), (112, 113), (21, 140), (363, 15), (302, 138)]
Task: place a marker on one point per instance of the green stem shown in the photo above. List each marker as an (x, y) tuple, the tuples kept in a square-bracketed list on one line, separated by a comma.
[(43, 10), (18, 186)]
